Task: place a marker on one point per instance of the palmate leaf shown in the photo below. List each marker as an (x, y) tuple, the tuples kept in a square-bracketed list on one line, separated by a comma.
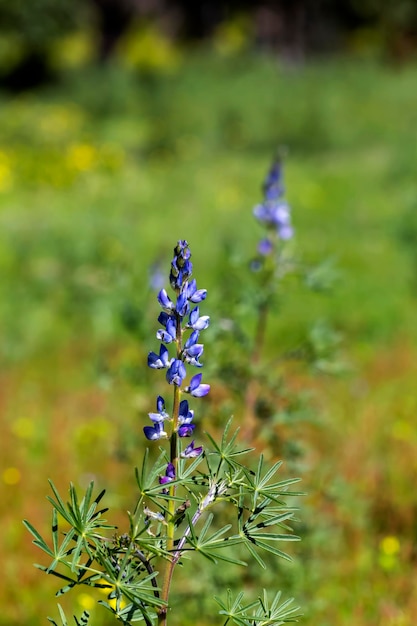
[(39, 540), (83, 537), (83, 517), (261, 486), (251, 527), (256, 535), (86, 521), (272, 514), (227, 450), (275, 613), (59, 552), (258, 613), (233, 608), (209, 546)]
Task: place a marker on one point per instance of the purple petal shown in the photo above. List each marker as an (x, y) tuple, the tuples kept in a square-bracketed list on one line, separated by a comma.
[(165, 301), (186, 430), (195, 381), (160, 404), (154, 432), (265, 247), (192, 339), (201, 391), (170, 471), (176, 373), (158, 361), (195, 387), (191, 452)]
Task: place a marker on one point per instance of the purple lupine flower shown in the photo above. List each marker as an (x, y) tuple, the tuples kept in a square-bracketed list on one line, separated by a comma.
[(165, 301), (265, 247), (161, 414), (193, 294), (274, 212), (155, 432), (159, 361), (191, 452), (169, 475), (182, 307), (176, 372), (196, 322), (185, 418), (196, 388), (273, 215), (169, 333), (186, 430), (193, 350)]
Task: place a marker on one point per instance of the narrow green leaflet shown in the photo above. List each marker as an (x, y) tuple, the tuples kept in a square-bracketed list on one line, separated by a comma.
[(265, 613), (83, 621)]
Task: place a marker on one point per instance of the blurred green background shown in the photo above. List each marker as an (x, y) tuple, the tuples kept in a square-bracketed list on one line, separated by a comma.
[(126, 126)]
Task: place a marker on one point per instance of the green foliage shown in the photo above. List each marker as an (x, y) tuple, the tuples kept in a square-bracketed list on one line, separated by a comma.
[(83, 621), (258, 613), (128, 564), (36, 24), (74, 247)]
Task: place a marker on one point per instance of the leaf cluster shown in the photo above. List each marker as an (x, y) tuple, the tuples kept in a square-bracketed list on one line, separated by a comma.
[(214, 486)]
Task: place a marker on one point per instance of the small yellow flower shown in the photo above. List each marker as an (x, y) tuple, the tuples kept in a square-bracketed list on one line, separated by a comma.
[(389, 545), (147, 49), (24, 428), (389, 548), (232, 36), (82, 156), (86, 601), (11, 476)]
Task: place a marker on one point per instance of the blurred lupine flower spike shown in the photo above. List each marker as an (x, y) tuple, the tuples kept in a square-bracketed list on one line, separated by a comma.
[(274, 212)]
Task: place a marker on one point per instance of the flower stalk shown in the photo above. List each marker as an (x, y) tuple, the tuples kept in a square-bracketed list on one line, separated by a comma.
[(274, 214)]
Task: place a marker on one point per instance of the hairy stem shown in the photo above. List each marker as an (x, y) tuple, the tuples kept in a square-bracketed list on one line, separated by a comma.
[(170, 536)]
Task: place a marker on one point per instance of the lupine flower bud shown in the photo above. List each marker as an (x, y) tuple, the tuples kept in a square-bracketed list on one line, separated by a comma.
[(181, 266), (169, 475)]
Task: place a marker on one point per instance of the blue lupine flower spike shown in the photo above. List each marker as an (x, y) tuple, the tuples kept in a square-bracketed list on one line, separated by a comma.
[(274, 212), (181, 327)]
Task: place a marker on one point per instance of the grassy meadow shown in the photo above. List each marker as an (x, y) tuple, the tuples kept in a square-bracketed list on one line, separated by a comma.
[(99, 177)]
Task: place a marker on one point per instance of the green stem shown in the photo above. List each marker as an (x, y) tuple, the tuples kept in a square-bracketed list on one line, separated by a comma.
[(170, 536), (263, 309)]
